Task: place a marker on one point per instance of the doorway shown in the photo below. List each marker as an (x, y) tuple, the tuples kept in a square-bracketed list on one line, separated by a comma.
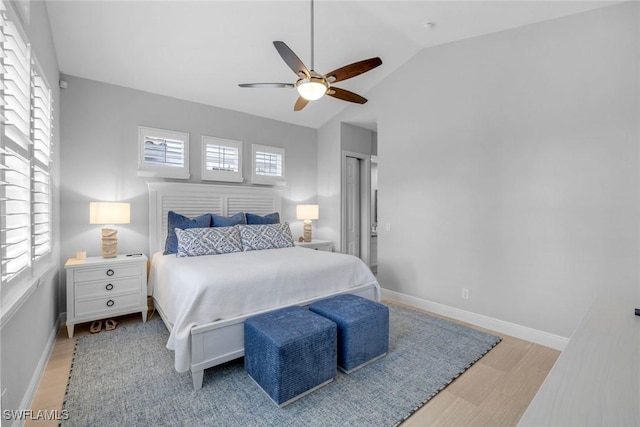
[(356, 205)]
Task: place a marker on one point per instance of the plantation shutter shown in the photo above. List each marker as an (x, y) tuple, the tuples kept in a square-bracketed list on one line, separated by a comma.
[(41, 189), (268, 164), (15, 165), (221, 159), (163, 152)]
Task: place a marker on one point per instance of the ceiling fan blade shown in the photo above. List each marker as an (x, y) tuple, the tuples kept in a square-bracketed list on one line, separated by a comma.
[(300, 104), (346, 95), (267, 85), (291, 59), (352, 70)]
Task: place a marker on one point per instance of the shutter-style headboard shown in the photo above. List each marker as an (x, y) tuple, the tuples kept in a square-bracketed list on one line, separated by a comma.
[(196, 199)]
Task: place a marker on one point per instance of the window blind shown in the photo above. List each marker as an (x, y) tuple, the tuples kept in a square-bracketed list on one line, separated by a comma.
[(222, 158), (163, 152), (15, 165), (16, 83), (16, 201), (268, 164), (25, 156), (41, 183)]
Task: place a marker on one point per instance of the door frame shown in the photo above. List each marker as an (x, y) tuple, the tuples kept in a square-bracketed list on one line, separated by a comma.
[(365, 203)]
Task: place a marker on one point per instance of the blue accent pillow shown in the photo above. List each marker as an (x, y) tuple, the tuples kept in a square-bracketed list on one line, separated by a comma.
[(273, 218), (227, 221), (175, 220), (256, 237), (208, 241)]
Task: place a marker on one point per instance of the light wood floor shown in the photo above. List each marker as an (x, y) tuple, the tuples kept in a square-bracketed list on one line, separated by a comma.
[(494, 392)]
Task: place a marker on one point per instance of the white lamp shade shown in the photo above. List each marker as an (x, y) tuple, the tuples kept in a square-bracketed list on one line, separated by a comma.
[(307, 212), (109, 213)]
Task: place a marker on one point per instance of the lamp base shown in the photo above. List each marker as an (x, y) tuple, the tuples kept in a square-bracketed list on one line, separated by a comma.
[(109, 243), (307, 230)]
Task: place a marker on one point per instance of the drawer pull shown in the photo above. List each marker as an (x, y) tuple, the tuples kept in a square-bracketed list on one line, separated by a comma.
[(110, 272), (110, 303), (109, 287)]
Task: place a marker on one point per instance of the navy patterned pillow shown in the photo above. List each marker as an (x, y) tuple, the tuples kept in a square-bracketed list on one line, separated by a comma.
[(175, 220), (265, 236), (208, 241), (227, 221), (272, 218)]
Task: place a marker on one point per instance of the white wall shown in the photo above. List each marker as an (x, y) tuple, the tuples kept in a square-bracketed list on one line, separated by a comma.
[(509, 165), (27, 333), (328, 159)]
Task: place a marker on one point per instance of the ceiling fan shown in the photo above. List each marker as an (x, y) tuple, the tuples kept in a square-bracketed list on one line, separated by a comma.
[(312, 85)]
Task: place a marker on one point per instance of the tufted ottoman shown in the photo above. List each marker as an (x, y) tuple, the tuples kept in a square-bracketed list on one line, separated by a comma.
[(290, 352), (363, 329)]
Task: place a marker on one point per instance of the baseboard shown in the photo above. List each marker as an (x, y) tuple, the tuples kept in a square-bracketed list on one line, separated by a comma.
[(27, 399), (523, 332)]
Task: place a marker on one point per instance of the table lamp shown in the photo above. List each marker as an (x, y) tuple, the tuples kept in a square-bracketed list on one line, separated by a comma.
[(307, 213), (108, 214)]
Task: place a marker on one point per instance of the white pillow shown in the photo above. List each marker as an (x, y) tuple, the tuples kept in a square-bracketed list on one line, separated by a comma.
[(208, 241), (265, 236)]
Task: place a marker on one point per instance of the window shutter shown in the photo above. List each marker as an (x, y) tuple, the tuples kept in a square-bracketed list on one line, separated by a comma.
[(25, 157), (163, 153), (221, 159), (16, 201), (268, 165), (16, 83), (15, 164), (41, 187)]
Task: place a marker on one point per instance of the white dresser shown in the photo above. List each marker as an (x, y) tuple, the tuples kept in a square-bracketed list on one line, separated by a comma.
[(596, 379), (99, 288)]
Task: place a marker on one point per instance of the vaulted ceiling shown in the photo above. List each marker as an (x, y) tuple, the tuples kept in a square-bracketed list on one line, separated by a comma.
[(201, 50)]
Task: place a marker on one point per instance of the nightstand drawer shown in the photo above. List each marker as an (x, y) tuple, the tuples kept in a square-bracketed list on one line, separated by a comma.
[(106, 288), (107, 272), (106, 305)]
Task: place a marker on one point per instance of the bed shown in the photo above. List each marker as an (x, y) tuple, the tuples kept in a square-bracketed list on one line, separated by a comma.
[(204, 300)]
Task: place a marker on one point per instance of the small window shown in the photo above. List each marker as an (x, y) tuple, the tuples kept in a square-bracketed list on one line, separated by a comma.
[(163, 153), (267, 165), (221, 159)]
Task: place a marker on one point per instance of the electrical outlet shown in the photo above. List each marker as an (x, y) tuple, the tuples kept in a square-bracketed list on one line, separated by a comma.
[(465, 293), (387, 226)]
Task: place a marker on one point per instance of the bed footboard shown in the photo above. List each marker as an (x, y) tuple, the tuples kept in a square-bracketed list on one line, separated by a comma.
[(219, 342)]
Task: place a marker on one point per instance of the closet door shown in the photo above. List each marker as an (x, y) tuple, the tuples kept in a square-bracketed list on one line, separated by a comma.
[(353, 206)]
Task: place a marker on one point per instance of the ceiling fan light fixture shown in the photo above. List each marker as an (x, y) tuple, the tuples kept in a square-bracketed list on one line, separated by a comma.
[(312, 88)]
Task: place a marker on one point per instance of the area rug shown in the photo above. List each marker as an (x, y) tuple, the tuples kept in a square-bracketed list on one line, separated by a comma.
[(126, 377)]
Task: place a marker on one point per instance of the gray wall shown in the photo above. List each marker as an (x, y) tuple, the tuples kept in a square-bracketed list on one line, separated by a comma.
[(509, 165), (27, 334), (334, 137), (99, 156)]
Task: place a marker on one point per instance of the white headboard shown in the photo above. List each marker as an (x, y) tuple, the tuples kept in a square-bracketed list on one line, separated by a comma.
[(196, 199)]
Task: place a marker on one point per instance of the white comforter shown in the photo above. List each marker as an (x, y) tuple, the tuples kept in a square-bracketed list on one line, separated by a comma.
[(198, 290)]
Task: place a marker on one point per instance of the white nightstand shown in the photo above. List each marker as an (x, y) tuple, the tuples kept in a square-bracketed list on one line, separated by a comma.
[(318, 245), (99, 288)]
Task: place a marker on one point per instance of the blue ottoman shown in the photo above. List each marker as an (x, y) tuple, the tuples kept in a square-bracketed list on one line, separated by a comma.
[(290, 352), (363, 329)]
